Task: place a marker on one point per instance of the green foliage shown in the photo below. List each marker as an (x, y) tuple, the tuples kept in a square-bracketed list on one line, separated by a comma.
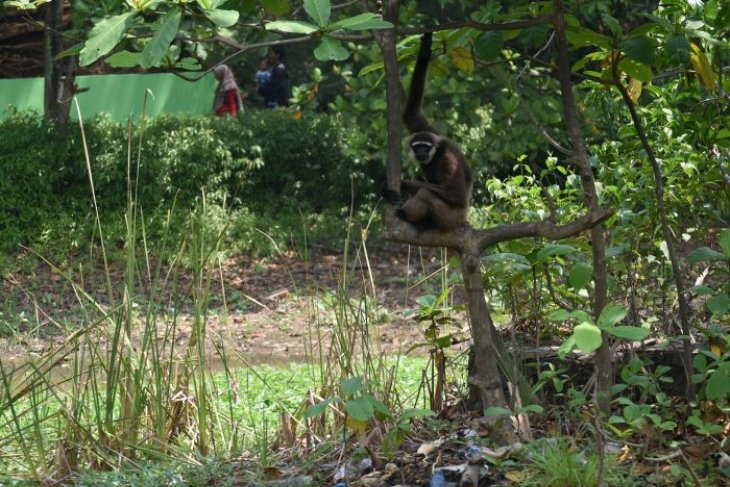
[(254, 168), (557, 462)]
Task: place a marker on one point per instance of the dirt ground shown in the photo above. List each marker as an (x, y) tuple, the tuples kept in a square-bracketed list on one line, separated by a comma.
[(271, 304)]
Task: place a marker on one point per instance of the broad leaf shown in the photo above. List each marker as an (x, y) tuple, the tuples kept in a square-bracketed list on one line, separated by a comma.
[(276, 7), (188, 64), (587, 337), (497, 411), (580, 275), (628, 332), (703, 254), (318, 10), (614, 25), (316, 409), (635, 69), (489, 44), (567, 346), (639, 48), (360, 22), (702, 66), (611, 315), (582, 37), (381, 410), (330, 49), (222, 18), (678, 49), (718, 385), (292, 26), (553, 250), (165, 31), (124, 59), (370, 68), (105, 36), (461, 57), (360, 409), (724, 241), (718, 305), (351, 386)]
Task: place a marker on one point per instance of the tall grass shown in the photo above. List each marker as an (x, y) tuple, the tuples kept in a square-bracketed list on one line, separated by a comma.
[(130, 385)]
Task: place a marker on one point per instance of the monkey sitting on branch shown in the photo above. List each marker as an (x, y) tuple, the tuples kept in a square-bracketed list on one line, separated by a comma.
[(441, 201)]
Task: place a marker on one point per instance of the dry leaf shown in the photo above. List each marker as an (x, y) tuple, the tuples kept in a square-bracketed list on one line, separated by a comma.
[(702, 67), (516, 476)]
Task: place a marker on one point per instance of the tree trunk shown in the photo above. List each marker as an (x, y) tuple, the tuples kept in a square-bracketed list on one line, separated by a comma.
[(58, 85), (579, 157)]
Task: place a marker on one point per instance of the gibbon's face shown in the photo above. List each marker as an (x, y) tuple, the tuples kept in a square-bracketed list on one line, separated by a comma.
[(422, 147)]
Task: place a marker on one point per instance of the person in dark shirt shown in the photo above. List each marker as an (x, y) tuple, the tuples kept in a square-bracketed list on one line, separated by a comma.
[(276, 92)]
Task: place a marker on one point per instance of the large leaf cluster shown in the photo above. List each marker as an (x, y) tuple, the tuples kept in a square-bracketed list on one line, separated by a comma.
[(264, 161)]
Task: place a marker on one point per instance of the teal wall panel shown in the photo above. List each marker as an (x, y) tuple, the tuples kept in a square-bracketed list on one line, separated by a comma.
[(119, 95)]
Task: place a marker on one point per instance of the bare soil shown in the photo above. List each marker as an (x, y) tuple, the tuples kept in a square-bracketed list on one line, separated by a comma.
[(263, 308)]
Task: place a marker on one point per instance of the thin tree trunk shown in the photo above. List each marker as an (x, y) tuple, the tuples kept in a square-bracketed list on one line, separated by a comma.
[(669, 239), (604, 369), (393, 94), (59, 74)]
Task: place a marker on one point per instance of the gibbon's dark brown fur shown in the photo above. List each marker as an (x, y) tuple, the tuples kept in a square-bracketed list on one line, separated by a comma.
[(442, 200)]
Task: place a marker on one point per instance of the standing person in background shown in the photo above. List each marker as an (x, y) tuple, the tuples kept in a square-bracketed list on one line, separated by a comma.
[(262, 77), (276, 92), (226, 94)]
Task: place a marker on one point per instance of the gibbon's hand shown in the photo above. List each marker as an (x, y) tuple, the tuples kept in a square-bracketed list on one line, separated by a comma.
[(390, 196)]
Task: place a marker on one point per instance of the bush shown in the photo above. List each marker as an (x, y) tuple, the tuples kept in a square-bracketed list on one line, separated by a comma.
[(266, 162)]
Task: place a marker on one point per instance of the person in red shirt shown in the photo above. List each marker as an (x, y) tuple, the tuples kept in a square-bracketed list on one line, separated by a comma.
[(226, 94)]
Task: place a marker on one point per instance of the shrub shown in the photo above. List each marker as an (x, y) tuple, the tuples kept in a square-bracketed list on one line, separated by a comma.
[(266, 162)]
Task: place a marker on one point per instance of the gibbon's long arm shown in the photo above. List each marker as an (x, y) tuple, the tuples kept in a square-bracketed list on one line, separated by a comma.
[(413, 117)]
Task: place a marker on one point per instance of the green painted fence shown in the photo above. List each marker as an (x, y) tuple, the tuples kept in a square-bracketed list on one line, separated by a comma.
[(118, 95)]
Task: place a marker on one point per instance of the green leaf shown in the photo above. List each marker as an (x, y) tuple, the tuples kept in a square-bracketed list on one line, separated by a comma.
[(587, 337), (628, 332), (276, 7), (724, 240), (71, 51), (703, 254), (718, 385), (635, 69), (379, 66), (580, 275), (582, 37), (380, 409), (614, 25), (124, 59), (489, 44), (360, 22), (553, 250), (188, 64), (411, 413), (222, 18), (718, 305), (105, 36), (292, 26), (318, 10), (639, 48), (532, 408), (611, 315), (567, 346), (678, 49), (316, 409), (497, 411), (330, 49), (360, 409), (351, 386), (165, 31)]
